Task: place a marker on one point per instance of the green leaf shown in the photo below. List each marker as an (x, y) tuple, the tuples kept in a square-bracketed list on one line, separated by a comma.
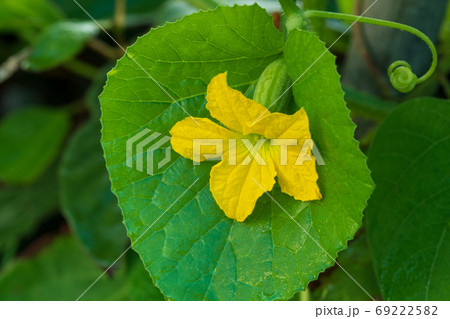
[(357, 261), (61, 271), (59, 43), (408, 215), (198, 261), (87, 201), (30, 140), (23, 208), (26, 17), (193, 251)]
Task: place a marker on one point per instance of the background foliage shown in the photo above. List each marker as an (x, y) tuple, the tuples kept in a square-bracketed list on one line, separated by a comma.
[(61, 227)]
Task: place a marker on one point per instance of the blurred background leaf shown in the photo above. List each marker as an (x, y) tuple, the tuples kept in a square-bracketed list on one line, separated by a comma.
[(408, 215), (139, 283), (26, 17), (26, 153), (92, 93), (338, 286), (87, 201), (23, 208), (59, 43), (61, 271)]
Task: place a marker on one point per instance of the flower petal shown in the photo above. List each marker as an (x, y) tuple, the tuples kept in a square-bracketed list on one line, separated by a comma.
[(188, 135), (298, 180), (236, 188), (230, 106), (280, 125)]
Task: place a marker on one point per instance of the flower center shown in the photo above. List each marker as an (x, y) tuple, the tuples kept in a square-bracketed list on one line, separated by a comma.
[(254, 142)]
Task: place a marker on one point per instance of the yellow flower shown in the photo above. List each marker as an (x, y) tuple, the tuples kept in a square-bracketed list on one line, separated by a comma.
[(253, 153)]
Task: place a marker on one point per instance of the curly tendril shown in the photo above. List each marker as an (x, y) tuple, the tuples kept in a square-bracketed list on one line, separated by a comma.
[(402, 77), (400, 73)]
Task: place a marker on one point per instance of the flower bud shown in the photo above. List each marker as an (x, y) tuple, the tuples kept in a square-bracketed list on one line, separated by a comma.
[(273, 87)]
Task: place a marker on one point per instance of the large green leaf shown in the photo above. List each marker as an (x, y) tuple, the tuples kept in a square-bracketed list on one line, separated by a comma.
[(193, 251), (23, 208), (87, 200), (58, 43), (30, 140), (357, 261), (183, 57), (408, 213)]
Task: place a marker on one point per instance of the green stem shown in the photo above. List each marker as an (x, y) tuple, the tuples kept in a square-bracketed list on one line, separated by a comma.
[(120, 11), (101, 47), (131, 20), (295, 17), (402, 79), (289, 7), (304, 295)]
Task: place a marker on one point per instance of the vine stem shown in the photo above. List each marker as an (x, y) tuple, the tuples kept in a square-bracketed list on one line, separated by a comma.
[(101, 47), (119, 19), (295, 17), (395, 25), (304, 295)]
